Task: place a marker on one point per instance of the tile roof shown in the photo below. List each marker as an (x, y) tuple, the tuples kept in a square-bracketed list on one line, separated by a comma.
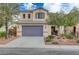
[(34, 10)]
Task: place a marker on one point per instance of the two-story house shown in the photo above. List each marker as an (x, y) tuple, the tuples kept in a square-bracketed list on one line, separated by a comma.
[(33, 23)]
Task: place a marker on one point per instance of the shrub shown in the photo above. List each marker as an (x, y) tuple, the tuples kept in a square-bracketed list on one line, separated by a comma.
[(54, 42), (69, 35), (2, 34), (49, 38), (77, 41)]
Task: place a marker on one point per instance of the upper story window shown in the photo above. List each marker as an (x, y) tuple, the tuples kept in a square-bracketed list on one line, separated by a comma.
[(24, 16), (29, 16), (40, 15)]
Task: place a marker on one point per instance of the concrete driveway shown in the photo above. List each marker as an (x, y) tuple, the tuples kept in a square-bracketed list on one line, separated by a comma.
[(26, 42)]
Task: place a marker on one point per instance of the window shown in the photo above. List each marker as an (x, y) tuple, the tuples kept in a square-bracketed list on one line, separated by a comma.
[(23, 15), (29, 16), (39, 15)]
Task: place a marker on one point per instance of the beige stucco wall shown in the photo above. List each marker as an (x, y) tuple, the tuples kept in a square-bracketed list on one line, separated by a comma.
[(26, 16), (69, 29), (33, 15), (46, 30), (39, 11), (19, 30), (77, 28)]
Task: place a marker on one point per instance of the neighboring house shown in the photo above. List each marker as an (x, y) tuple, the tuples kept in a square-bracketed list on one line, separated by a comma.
[(33, 23)]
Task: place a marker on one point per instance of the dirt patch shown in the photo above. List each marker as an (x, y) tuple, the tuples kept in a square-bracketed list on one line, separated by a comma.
[(63, 41), (5, 41), (66, 41)]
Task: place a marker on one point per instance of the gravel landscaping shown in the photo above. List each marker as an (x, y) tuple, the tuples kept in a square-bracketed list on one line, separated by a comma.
[(61, 41)]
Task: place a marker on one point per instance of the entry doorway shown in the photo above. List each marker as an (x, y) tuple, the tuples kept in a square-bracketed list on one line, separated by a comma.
[(53, 30), (74, 29)]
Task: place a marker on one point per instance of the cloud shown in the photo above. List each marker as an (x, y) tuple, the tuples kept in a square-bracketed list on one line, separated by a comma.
[(66, 7), (29, 6), (52, 7), (75, 5)]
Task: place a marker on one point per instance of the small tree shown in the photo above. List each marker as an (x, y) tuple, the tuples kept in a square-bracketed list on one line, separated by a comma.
[(72, 18), (6, 11), (65, 20), (58, 20)]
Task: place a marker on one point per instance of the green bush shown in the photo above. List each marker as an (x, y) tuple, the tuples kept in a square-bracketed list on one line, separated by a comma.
[(49, 38), (54, 42), (69, 35), (2, 34)]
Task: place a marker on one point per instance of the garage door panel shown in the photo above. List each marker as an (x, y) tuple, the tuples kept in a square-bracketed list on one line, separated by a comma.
[(32, 31)]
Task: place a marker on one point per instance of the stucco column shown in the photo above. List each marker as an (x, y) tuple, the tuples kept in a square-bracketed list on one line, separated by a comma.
[(61, 30), (19, 30), (46, 30)]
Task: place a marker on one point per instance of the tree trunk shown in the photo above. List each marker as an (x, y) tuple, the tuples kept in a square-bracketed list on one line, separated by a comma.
[(6, 27)]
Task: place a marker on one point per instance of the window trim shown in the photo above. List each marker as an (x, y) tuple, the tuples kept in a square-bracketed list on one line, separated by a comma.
[(40, 15)]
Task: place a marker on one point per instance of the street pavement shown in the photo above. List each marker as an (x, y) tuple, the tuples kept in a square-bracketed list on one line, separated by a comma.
[(37, 51)]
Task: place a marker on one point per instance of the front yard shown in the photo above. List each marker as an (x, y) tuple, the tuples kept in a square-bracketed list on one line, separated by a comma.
[(62, 40), (3, 40)]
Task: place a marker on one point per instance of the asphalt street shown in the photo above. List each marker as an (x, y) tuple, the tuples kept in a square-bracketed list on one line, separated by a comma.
[(37, 51)]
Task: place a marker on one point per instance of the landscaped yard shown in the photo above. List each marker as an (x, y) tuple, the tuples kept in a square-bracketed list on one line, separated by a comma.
[(62, 40), (3, 40)]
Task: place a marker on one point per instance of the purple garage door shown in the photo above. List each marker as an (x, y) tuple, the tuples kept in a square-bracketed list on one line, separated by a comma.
[(32, 30)]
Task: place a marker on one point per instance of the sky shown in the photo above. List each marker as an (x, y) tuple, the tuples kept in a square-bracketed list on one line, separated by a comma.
[(51, 7)]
